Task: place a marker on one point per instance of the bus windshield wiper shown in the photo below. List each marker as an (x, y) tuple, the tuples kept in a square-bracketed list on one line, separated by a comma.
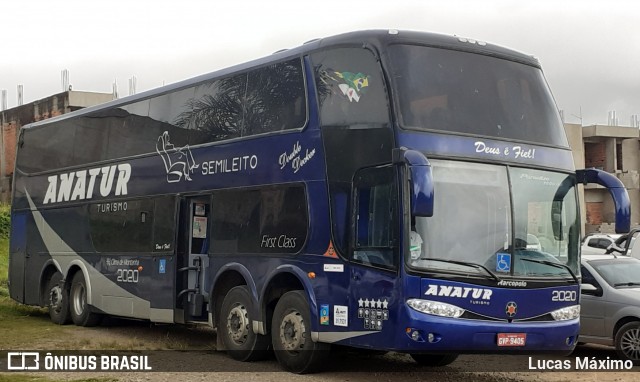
[(631, 283), (552, 264), (466, 263)]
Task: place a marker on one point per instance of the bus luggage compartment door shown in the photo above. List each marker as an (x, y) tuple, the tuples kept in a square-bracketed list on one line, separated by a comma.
[(17, 256)]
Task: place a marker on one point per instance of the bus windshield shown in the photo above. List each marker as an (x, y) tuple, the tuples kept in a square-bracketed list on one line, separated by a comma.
[(445, 90), (478, 228)]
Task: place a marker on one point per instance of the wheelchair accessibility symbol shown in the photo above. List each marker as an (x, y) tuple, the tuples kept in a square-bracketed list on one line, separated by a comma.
[(503, 262)]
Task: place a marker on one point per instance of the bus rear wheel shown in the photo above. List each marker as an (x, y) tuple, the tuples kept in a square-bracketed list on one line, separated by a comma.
[(434, 360), (57, 300), (291, 335), (239, 339), (81, 313)]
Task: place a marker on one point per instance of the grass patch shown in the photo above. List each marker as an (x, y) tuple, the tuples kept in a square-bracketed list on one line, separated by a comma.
[(19, 323)]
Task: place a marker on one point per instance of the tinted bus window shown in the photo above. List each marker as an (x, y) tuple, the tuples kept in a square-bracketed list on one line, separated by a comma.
[(350, 88), (267, 99), (454, 91), (269, 220), (123, 226)]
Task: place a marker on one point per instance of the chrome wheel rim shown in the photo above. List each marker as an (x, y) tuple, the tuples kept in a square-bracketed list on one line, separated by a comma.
[(630, 344), (292, 332), (238, 324), (55, 299), (79, 299)]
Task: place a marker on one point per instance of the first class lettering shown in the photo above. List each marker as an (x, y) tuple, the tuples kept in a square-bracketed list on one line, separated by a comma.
[(282, 241)]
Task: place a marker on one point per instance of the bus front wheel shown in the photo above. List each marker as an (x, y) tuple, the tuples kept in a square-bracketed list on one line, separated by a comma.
[(291, 335), (434, 360), (57, 299), (81, 313), (235, 327)]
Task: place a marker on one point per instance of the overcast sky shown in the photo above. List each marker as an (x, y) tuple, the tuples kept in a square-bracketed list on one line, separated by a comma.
[(589, 50)]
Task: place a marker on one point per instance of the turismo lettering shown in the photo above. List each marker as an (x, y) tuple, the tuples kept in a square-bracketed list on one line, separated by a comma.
[(80, 185)]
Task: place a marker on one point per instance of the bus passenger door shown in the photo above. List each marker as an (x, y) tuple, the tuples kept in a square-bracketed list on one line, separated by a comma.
[(193, 257), (374, 256)]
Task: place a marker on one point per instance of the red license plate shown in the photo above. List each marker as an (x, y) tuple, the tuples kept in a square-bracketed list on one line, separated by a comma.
[(512, 339)]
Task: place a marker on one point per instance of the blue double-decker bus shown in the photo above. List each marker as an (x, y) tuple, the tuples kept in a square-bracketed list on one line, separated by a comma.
[(385, 190)]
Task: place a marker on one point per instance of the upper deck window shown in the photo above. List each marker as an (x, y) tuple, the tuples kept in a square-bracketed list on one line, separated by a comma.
[(267, 99), (446, 90), (350, 87)]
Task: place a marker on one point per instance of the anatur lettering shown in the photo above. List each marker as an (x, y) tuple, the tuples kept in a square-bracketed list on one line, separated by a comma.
[(80, 185), (460, 292)]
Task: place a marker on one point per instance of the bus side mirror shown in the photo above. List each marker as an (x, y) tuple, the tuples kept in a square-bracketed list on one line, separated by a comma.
[(421, 180), (618, 193)]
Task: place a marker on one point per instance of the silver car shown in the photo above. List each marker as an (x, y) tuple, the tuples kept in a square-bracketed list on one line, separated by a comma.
[(610, 303)]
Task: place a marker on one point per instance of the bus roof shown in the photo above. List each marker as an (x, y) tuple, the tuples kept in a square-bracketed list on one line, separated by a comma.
[(375, 38)]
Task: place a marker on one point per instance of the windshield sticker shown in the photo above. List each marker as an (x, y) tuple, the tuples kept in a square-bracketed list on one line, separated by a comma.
[(539, 178), (503, 262), (352, 85), (514, 152), (178, 161)]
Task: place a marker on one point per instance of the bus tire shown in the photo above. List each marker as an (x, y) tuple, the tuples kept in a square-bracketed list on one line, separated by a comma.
[(235, 327), (434, 360), (57, 300), (81, 313), (291, 335)]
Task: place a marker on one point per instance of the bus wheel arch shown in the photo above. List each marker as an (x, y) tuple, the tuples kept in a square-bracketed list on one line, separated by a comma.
[(224, 282), (279, 284)]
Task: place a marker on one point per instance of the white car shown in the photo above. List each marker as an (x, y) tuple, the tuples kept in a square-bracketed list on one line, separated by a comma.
[(597, 243)]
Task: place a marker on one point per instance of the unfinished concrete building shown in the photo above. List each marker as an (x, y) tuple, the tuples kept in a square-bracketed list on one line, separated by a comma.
[(12, 119)]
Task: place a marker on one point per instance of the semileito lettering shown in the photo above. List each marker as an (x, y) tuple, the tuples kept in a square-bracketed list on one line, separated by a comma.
[(80, 185), (235, 164)]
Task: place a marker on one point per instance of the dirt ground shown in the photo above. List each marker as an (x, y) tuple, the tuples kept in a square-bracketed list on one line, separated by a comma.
[(181, 350)]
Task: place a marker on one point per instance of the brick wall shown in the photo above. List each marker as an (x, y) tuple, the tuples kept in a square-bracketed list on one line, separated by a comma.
[(595, 154), (594, 213), (9, 136)]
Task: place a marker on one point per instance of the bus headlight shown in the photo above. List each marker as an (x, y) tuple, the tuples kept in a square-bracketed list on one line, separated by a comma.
[(568, 313), (435, 308)]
